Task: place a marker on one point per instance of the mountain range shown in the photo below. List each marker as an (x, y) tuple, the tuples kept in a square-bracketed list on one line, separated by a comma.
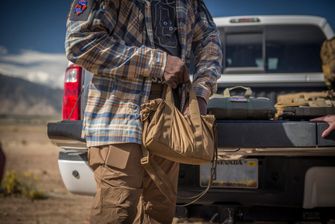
[(22, 97)]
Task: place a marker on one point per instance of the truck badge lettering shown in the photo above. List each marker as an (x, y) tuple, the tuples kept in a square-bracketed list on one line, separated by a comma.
[(230, 162)]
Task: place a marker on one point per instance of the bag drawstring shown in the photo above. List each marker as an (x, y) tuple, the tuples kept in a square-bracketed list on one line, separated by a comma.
[(197, 197)]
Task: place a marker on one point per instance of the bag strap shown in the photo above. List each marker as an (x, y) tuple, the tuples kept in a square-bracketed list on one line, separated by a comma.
[(197, 197), (247, 93), (158, 176), (164, 184), (211, 178), (155, 172)]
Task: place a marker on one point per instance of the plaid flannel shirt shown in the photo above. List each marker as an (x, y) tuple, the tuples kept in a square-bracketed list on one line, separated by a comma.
[(108, 39)]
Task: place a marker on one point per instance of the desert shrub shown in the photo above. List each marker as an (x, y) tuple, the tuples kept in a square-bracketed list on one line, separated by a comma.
[(21, 184)]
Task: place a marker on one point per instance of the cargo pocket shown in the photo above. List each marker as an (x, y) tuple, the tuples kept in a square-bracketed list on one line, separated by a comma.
[(120, 202), (97, 202)]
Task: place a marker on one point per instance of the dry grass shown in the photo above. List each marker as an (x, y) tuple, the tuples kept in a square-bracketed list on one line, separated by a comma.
[(23, 184)]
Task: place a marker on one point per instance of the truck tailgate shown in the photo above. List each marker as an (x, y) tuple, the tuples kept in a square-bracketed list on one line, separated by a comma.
[(231, 134), (66, 134)]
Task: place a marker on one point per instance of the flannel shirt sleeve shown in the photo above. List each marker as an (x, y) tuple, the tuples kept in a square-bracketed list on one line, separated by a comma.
[(92, 44), (207, 52)]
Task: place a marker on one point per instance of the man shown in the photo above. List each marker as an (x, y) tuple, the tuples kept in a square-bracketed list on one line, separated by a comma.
[(327, 54), (132, 47)]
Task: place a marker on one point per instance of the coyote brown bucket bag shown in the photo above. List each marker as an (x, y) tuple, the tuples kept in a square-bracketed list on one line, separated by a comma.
[(169, 134), (185, 139)]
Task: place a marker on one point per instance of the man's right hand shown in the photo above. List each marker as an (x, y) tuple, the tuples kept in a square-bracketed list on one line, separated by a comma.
[(175, 72), (330, 119)]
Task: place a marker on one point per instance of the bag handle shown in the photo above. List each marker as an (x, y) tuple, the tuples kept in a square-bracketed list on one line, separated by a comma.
[(247, 93), (194, 113)]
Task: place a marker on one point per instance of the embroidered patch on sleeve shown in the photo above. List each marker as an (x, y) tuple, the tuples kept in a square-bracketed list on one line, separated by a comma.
[(81, 9)]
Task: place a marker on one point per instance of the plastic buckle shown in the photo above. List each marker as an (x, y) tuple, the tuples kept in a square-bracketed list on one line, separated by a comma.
[(145, 160)]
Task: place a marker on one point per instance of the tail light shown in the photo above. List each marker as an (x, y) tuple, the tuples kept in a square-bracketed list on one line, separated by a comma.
[(72, 88)]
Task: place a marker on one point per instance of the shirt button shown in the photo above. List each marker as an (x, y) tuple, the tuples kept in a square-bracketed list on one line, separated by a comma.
[(165, 23), (171, 28)]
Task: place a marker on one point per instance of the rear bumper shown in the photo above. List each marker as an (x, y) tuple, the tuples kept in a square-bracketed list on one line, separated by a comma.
[(76, 174), (300, 182), (297, 167)]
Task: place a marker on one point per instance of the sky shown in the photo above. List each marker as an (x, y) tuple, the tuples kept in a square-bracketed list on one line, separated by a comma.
[(32, 32)]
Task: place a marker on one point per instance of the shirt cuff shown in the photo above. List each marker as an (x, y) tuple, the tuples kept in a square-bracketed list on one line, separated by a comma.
[(202, 91), (158, 65)]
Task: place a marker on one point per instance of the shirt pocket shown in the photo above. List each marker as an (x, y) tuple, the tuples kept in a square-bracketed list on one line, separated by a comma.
[(165, 25)]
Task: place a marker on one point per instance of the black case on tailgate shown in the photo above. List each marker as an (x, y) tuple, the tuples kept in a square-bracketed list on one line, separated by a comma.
[(227, 107)]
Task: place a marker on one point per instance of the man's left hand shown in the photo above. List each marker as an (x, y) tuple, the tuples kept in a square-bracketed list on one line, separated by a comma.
[(202, 107)]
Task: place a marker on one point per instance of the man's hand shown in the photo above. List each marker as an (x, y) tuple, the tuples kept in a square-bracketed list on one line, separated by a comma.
[(175, 72), (330, 119), (202, 107)]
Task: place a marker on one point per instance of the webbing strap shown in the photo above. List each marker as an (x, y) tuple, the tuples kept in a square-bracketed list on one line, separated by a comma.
[(195, 198), (158, 176)]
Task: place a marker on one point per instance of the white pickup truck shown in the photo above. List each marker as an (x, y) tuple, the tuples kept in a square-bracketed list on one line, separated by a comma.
[(290, 167)]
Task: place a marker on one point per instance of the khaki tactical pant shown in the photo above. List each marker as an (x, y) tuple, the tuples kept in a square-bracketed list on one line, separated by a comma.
[(125, 193)]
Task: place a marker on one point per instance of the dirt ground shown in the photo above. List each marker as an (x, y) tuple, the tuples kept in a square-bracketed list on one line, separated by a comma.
[(28, 149)]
